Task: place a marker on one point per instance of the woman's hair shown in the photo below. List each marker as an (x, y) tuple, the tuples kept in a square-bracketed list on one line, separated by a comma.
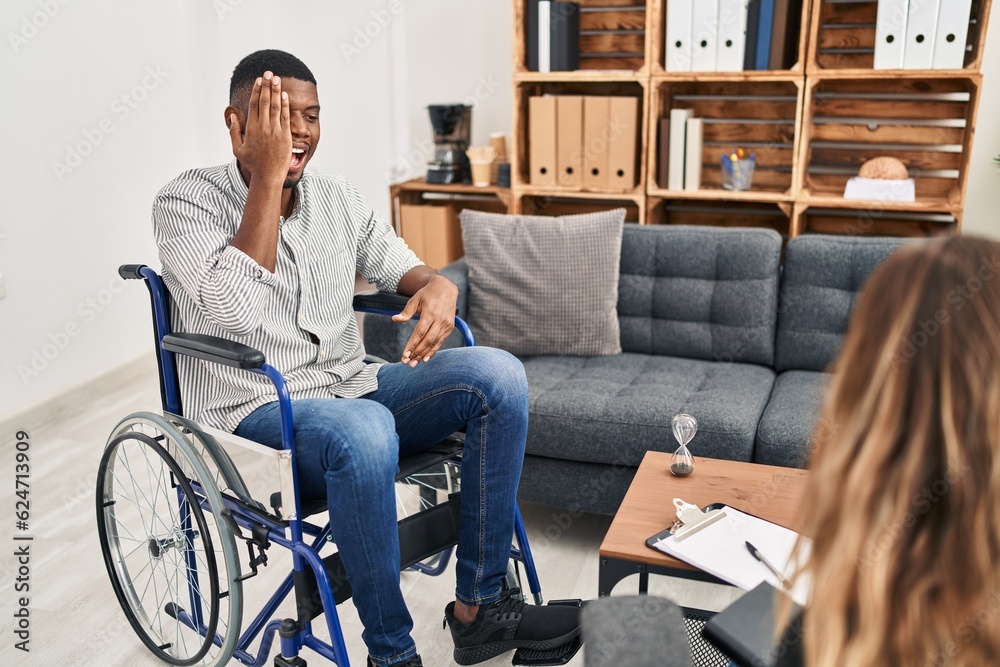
[(904, 498)]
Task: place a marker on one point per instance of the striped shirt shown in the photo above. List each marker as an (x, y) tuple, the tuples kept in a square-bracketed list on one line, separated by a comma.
[(300, 316)]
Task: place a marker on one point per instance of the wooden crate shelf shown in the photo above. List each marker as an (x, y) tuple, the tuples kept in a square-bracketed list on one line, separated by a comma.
[(417, 191), (842, 36), (760, 116), (718, 194), (921, 205), (812, 125), (548, 203), (612, 36), (657, 30), (669, 211), (926, 123), (587, 193), (525, 90), (875, 221), (580, 75)]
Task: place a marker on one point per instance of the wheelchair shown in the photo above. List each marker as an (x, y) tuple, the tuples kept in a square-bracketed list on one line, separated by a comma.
[(172, 507)]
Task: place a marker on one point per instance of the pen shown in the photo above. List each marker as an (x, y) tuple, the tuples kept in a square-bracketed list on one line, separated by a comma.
[(760, 557)]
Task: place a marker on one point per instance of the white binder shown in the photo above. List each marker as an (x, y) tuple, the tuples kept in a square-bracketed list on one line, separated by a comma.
[(890, 34), (921, 26), (693, 147), (732, 35), (678, 132), (678, 46), (704, 35), (544, 36), (952, 33)]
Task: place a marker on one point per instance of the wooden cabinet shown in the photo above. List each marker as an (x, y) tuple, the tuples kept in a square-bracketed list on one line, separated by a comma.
[(811, 125)]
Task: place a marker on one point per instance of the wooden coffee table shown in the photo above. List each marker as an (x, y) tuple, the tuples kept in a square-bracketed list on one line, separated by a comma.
[(770, 492)]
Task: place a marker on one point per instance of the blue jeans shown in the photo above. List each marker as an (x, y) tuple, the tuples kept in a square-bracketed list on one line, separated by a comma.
[(348, 450)]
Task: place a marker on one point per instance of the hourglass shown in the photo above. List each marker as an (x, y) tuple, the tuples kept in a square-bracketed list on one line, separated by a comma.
[(681, 462)]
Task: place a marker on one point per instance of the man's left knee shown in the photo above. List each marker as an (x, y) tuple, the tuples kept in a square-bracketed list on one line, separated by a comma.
[(501, 374)]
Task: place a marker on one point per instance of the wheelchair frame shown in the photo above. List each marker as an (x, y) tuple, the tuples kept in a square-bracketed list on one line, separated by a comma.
[(289, 531)]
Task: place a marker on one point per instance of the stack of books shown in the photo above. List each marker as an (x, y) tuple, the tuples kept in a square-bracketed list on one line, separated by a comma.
[(732, 35), (681, 147)]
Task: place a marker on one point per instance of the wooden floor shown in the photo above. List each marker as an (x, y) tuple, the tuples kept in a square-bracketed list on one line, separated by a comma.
[(76, 620)]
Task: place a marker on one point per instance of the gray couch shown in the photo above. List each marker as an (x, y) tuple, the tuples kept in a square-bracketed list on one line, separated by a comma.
[(709, 326)]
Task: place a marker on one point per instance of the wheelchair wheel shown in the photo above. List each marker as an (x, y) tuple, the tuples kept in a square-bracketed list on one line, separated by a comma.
[(170, 556)]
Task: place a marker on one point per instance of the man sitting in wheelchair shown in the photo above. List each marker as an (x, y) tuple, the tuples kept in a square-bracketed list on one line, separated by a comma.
[(264, 252)]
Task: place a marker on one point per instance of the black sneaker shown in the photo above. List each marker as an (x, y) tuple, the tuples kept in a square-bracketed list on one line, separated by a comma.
[(508, 624), (412, 662)]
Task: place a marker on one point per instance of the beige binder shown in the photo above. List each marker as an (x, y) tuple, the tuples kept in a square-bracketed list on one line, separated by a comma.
[(569, 141), (595, 142), (542, 140), (622, 142)]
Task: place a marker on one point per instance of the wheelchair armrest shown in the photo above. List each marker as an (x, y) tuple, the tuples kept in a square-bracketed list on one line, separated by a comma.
[(214, 349), (381, 301)]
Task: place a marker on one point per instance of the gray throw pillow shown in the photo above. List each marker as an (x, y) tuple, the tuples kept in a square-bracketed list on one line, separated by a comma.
[(544, 286)]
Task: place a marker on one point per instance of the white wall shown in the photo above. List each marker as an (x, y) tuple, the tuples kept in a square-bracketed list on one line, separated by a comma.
[(66, 317)]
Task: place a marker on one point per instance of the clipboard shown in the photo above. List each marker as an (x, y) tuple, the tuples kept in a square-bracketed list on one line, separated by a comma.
[(720, 550), (664, 534)]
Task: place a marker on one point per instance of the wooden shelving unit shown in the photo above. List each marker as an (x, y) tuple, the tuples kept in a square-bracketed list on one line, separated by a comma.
[(812, 125)]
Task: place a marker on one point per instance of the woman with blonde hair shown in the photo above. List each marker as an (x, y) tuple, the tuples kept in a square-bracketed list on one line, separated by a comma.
[(903, 507)]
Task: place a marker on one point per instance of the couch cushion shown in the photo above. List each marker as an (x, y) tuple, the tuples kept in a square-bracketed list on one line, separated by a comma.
[(699, 292), (786, 429), (544, 285), (613, 409), (821, 281)]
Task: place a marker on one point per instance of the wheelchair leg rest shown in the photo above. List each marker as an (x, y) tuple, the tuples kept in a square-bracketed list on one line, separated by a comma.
[(556, 656)]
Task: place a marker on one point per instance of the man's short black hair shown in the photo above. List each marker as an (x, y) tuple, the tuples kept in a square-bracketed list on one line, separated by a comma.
[(254, 65)]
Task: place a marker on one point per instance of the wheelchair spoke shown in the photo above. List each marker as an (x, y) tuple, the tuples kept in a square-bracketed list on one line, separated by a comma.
[(160, 486), (179, 637), (156, 599), (128, 537), (148, 581), (141, 545), (128, 468)]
